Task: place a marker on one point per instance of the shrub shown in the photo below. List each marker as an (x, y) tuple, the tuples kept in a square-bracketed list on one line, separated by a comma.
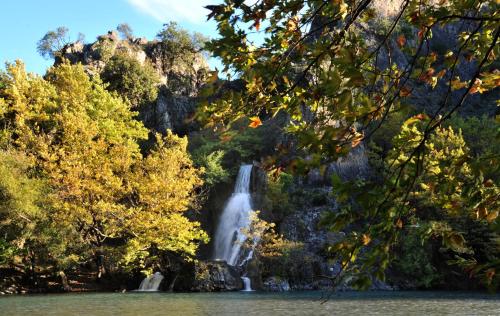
[(131, 79)]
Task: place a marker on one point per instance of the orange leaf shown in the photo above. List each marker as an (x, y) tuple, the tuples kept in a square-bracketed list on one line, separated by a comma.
[(399, 223), (481, 213), (255, 122), (492, 216), (356, 141), (421, 33), (225, 138), (441, 73), (421, 116), (257, 24), (366, 239), (404, 92), (490, 273), (401, 40)]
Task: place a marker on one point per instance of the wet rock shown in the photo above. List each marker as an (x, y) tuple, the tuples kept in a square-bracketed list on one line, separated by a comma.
[(276, 284), (216, 276)]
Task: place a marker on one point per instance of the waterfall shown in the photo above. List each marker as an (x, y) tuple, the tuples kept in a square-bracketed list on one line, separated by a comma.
[(247, 285), (228, 237), (151, 283)]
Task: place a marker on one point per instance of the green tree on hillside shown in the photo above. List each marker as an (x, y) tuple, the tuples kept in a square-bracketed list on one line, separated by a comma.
[(52, 42), (136, 81)]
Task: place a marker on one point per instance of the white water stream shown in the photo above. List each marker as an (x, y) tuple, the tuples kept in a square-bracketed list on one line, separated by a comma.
[(235, 217), (151, 283)]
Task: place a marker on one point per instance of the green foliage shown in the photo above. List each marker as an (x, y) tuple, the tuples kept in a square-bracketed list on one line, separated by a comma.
[(212, 165), (52, 42), (313, 61), (22, 201), (135, 81), (278, 195), (481, 136), (414, 260), (105, 48), (275, 252), (83, 176), (236, 146), (178, 41), (438, 192)]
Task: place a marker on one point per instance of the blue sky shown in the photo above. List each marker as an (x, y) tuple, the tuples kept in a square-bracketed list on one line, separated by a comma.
[(24, 22)]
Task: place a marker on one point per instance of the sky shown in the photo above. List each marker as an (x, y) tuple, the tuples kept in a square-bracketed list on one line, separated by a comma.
[(24, 22)]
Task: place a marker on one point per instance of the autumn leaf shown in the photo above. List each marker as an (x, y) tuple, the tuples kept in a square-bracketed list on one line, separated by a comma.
[(404, 92), (366, 239), (421, 34), (490, 273), (257, 24), (477, 87), (255, 122), (457, 84), (399, 223), (481, 213), (225, 138), (441, 73), (492, 216), (401, 41)]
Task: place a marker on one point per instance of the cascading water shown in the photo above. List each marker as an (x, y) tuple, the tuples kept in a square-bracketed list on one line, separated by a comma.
[(235, 217), (151, 283), (247, 284)]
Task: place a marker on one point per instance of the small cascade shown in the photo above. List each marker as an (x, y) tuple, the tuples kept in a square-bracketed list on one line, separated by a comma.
[(247, 285), (151, 283), (235, 217)]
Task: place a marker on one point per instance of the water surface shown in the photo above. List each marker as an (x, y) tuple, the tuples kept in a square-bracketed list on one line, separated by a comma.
[(254, 303)]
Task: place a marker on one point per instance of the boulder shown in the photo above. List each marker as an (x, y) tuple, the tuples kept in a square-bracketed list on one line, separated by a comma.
[(216, 276), (276, 284)]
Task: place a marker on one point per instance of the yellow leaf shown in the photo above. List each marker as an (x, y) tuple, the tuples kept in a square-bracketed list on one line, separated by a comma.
[(492, 216), (366, 239), (255, 122)]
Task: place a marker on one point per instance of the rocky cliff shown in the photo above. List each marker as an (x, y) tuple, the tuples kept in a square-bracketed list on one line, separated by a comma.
[(181, 75)]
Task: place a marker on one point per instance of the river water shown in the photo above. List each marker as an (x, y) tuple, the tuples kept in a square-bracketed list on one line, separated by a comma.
[(253, 303)]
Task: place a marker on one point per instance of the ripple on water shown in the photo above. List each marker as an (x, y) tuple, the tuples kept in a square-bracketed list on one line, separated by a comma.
[(256, 303)]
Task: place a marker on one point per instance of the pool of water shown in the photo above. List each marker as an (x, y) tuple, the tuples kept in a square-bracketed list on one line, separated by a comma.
[(253, 303)]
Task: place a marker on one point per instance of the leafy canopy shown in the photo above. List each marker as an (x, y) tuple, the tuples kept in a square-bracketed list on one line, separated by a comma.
[(83, 143), (315, 61)]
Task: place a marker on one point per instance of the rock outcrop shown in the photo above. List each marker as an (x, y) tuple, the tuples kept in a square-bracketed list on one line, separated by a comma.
[(216, 276), (181, 76)]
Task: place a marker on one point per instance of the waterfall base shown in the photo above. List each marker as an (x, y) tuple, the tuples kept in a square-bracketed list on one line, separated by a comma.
[(216, 276), (151, 283), (247, 284)]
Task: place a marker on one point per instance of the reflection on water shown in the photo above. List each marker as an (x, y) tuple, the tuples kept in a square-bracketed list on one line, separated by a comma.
[(255, 303)]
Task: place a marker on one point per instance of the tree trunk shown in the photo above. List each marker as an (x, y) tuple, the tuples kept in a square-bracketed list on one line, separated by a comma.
[(64, 281)]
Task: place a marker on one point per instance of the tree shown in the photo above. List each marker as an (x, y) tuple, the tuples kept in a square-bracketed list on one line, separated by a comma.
[(163, 188), (178, 47), (125, 31), (52, 42), (177, 39), (136, 81), (83, 140), (316, 61)]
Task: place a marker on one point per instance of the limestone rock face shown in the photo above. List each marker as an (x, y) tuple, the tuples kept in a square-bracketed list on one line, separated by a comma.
[(181, 77), (216, 276)]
